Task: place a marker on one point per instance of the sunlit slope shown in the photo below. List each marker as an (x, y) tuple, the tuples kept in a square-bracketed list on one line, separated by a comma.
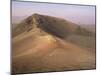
[(48, 53)]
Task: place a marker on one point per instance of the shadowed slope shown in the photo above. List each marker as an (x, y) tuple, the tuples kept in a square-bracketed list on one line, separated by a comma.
[(55, 26)]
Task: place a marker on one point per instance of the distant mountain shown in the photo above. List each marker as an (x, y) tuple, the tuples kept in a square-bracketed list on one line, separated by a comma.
[(17, 19), (55, 26), (91, 28)]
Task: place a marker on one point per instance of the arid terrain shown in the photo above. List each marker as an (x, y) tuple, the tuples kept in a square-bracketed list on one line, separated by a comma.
[(42, 43)]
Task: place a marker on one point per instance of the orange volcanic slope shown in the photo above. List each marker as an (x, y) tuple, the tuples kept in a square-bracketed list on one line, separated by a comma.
[(48, 53)]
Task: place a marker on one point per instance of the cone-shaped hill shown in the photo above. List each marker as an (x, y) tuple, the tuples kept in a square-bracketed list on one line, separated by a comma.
[(38, 46), (55, 26)]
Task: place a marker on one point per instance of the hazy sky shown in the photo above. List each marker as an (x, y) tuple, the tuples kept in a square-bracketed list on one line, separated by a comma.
[(75, 13)]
